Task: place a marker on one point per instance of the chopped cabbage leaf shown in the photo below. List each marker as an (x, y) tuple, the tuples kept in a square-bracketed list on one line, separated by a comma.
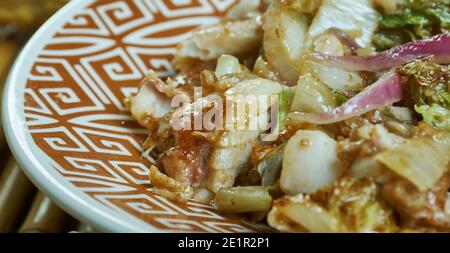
[(435, 115), (429, 85), (421, 160), (417, 19), (313, 96), (349, 205), (243, 199)]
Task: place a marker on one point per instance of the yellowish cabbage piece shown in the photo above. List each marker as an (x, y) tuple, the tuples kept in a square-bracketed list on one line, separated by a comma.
[(244, 199), (284, 35), (312, 96), (335, 78), (300, 214), (227, 64), (358, 18), (233, 37), (262, 69), (350, 205), (422, 160)]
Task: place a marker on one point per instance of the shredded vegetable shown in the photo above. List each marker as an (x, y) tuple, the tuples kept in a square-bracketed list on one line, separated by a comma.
[(422, 170), (438, 46), (386, 91)]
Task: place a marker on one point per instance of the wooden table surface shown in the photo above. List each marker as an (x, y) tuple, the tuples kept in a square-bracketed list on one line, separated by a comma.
[(23, 208)]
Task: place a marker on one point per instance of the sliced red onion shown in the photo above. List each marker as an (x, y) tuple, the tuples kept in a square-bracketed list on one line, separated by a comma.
[(438, 46), (385, 91)]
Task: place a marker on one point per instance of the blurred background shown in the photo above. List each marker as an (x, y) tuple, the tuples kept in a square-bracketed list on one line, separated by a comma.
[(23, 208)]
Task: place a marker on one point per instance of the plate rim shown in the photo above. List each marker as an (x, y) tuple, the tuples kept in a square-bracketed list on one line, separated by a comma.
[(26, 152)]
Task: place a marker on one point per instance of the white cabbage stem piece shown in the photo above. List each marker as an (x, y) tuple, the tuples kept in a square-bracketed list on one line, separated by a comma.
[(227, 64), (359, 20), (284, 35), (233, 37), (149, 101), (310, 162)]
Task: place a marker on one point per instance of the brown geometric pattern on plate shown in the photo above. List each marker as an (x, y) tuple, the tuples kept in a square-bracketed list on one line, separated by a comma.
[(74, 109)]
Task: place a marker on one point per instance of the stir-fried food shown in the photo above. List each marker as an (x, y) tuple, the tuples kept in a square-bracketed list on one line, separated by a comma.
[(310, 115)]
